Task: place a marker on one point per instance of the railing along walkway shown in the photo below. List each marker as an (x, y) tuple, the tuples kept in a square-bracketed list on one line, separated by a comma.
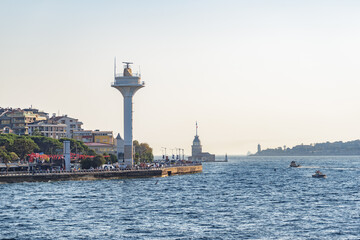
[(86, 171)]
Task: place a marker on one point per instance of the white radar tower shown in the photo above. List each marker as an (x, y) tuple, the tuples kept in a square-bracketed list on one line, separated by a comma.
[(128, 83)]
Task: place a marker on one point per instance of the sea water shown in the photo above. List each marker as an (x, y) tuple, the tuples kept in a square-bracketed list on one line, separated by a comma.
[(245, 198)]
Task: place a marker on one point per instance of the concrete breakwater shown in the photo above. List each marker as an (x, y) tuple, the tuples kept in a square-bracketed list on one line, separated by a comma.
[(15, 177)]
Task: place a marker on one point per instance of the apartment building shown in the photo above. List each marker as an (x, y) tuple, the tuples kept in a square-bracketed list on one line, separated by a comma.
[(18, 119), (72, 124), (53, 130)]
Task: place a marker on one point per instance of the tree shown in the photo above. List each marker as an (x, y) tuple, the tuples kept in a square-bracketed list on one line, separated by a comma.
[(91, 152), (23, 146), (143, 152), (47, 145), (6, 141), (37, 132), (86, 163), (95, 162), (113, 158), (13, 156), (78, 146), (5, 157), (99, 160)]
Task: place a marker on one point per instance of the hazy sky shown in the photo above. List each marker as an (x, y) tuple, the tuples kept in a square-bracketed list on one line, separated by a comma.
[(270, 72)]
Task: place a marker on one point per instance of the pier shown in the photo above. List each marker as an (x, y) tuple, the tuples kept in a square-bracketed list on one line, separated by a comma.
[(47, 176)]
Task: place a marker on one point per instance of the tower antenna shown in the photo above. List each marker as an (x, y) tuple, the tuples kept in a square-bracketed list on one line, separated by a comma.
[(127, 64)]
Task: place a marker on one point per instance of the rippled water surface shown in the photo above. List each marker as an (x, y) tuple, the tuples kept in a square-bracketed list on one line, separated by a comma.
[(242, 199)]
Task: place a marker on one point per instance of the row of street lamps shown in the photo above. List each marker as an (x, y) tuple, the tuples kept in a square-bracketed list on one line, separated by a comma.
[(178, 152)]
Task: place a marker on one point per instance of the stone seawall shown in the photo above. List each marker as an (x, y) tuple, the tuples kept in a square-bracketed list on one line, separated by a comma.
[(181, 170), (96, 175)]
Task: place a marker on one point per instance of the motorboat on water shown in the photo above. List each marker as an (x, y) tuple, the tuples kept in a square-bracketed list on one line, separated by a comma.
[(293, 164), (319, 174)]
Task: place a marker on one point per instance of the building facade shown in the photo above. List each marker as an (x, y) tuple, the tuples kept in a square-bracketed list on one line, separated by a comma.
[(105, 137), (85, 136), (72, 124), (101, 148), (97, 136), (18, 119), (52, 130)]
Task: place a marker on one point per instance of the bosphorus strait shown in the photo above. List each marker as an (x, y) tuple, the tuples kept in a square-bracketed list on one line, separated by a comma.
[(246, 198)]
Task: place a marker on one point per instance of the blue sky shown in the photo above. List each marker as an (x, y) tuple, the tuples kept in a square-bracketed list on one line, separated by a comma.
[(270, 72)]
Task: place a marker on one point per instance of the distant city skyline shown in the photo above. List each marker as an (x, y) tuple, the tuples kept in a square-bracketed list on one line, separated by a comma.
[(273, 73)]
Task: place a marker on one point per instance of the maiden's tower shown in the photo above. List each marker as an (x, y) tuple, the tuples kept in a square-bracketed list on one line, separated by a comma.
[(197, 153)]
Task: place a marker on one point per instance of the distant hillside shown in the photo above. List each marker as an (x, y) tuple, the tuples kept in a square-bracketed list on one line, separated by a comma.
[(317, 149)]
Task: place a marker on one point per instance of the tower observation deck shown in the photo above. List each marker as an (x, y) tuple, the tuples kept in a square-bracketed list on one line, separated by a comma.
[(128, 84)]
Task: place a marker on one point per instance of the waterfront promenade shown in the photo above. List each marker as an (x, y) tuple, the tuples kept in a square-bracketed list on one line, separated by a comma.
[(136, 172)]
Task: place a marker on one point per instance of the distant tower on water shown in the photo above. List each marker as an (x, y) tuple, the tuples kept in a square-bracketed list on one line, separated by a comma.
[(196, 148), (259, 148), (197, 153), (128, 84)]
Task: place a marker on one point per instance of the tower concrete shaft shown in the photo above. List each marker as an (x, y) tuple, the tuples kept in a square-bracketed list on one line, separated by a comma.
[(128, 84)]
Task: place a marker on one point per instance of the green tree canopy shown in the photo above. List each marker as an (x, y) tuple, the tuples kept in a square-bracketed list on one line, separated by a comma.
[(23, 146), (4, 155), (7, 140), (95, 162), (91, 152), (99, 160), (47, 145), (77, 146), (86, 163), (143, 152), (113, 158), (13, 156)]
